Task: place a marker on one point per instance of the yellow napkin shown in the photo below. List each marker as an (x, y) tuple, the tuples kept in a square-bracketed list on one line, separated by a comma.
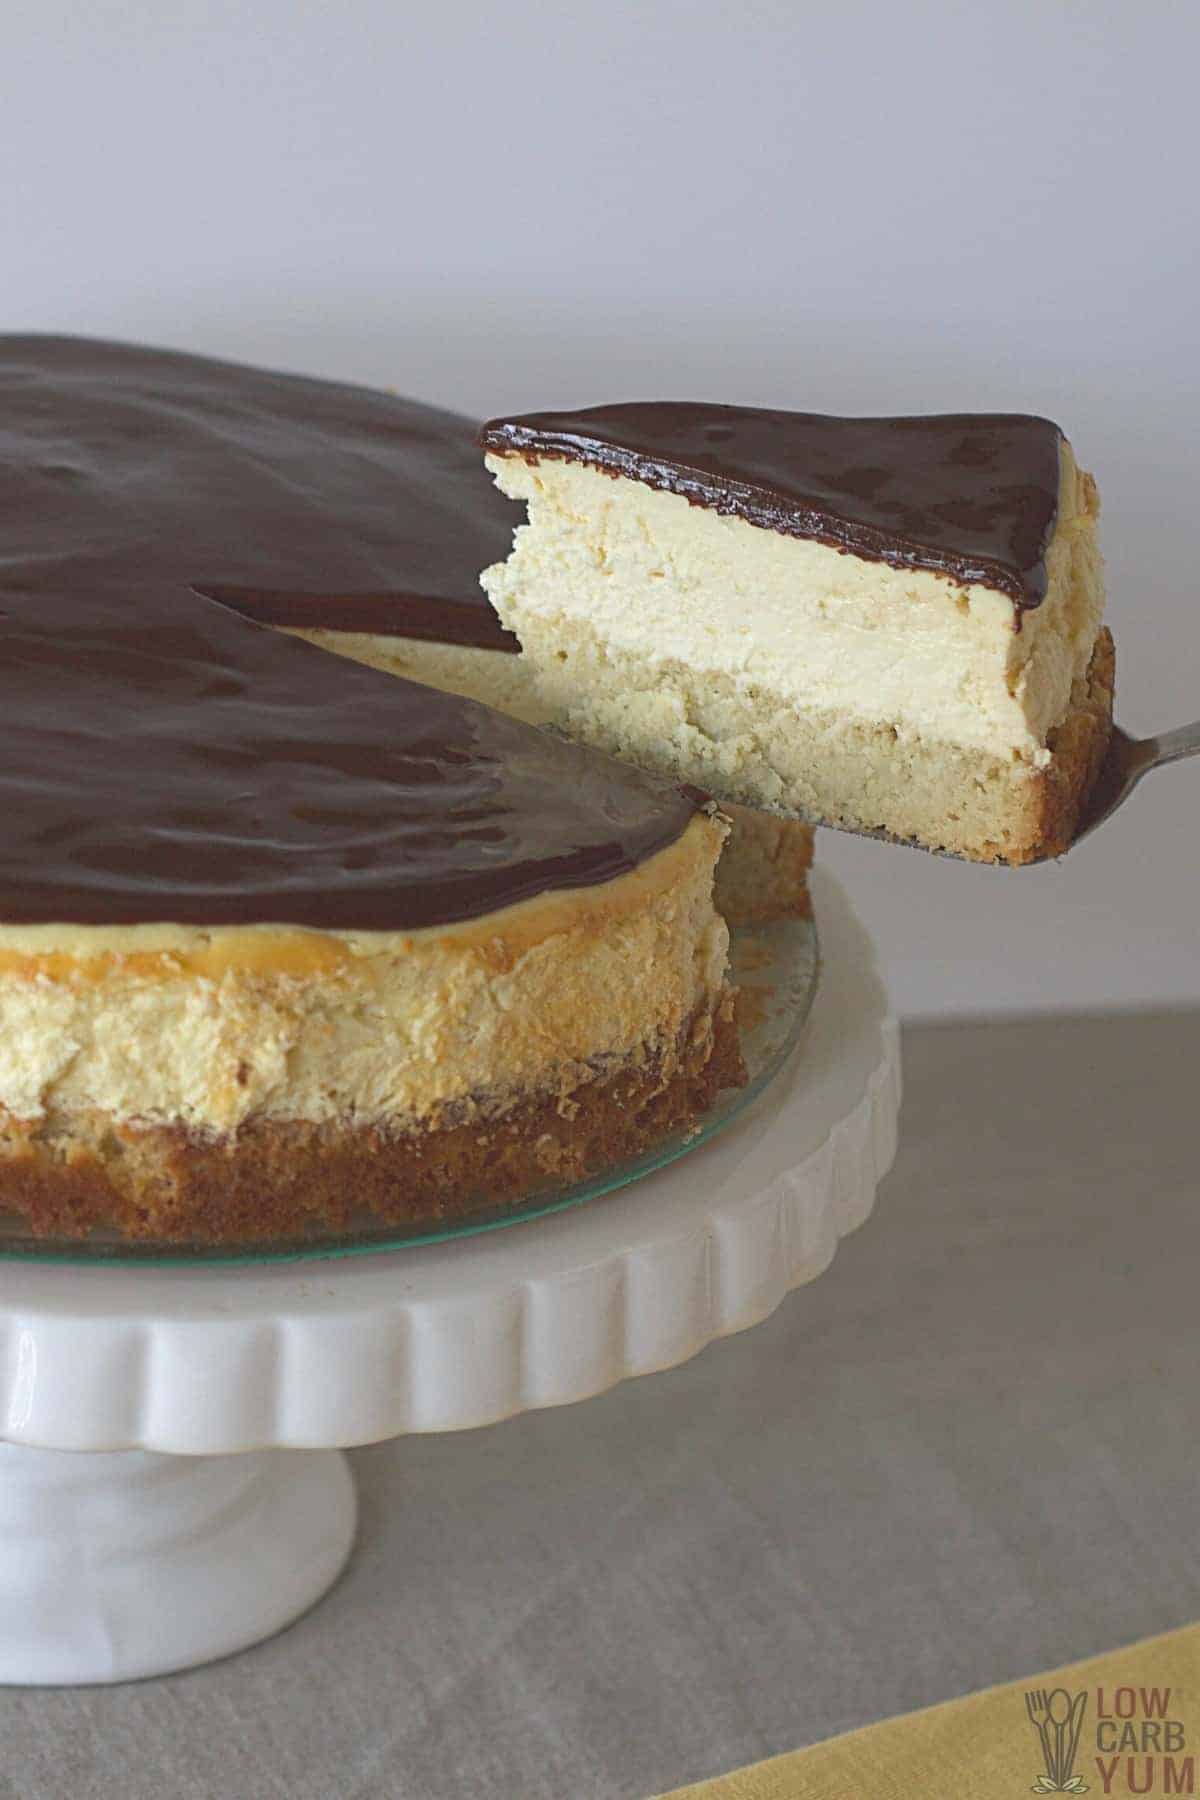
[(1136, 1731)]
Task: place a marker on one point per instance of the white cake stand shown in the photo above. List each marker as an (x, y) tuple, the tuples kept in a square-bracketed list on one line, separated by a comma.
[(212, 1505)]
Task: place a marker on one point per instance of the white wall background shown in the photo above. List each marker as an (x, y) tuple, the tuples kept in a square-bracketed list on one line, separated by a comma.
[(868, 206)]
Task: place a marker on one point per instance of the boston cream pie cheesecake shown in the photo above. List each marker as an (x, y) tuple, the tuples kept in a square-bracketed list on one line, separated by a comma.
[(883, 624), (283, 938)]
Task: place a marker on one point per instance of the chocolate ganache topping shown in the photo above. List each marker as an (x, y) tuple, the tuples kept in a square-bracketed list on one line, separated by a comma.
[(297, 502), (163, 758), (969, 495)]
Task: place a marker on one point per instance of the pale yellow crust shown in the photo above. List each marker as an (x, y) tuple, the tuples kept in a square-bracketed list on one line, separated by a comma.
[(941, 796)]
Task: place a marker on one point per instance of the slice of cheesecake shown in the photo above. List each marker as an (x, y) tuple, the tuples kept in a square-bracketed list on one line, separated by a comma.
[(880, 624)]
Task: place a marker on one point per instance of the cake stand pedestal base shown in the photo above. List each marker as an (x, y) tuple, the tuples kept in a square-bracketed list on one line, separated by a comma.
[(119, 1565)]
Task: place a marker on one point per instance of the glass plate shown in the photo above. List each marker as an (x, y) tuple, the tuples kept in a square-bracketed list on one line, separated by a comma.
[(775, 966)]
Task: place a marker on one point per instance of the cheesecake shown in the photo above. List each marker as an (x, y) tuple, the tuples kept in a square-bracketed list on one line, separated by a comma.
[(887, 624), (287, 941)]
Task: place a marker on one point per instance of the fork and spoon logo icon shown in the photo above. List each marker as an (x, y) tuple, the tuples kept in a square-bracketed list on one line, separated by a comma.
[(1057, 1717)]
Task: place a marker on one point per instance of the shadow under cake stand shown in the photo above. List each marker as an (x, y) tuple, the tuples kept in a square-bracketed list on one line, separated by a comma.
[(207, 1503)]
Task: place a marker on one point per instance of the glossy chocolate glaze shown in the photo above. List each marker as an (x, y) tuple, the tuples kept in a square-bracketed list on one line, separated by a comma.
[(298, 502), (970, 495), (163, 758)]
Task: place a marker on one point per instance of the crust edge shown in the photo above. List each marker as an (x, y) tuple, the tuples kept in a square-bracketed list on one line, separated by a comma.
[(280, 1179)]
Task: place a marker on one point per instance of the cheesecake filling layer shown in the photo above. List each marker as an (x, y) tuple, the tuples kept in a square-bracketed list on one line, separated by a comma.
[(433, 1029), (630, 599)]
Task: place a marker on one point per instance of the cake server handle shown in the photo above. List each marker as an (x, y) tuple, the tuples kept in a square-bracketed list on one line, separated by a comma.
[(1128, 759), (1173, 746)]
